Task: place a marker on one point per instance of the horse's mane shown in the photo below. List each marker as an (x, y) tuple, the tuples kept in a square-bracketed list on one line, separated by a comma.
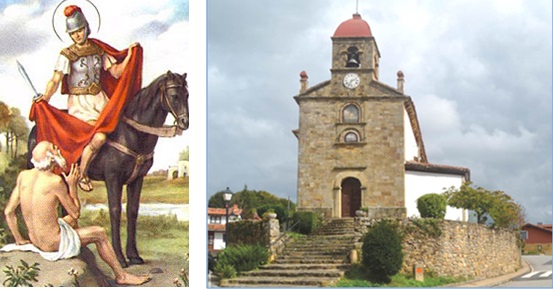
[(145, 96)]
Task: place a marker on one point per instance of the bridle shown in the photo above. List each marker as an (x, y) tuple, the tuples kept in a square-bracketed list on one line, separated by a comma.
[(164, 131), (166, 104)]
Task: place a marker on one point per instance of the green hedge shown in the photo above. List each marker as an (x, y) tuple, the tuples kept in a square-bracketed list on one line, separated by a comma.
[(432, 206), (308, 222), (382, 250), (246, 232)]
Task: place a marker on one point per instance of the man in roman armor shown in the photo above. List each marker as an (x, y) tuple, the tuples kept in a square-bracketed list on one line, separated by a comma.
[(99, 81)]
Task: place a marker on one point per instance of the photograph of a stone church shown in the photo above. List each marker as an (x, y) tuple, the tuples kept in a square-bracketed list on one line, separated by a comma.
[(360, 144)]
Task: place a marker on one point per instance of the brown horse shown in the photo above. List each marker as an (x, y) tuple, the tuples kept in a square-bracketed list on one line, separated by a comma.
[(128, 153)]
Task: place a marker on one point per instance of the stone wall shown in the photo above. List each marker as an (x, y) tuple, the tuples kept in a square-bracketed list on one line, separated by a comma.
[(453, 248)]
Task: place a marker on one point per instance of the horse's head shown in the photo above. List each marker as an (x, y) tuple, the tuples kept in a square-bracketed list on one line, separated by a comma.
[(175, 98)]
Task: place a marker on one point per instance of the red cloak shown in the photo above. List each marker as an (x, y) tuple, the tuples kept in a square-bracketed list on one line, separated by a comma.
[(71, 134)]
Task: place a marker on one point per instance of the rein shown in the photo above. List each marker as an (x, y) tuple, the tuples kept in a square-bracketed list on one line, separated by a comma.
[(164, 131)]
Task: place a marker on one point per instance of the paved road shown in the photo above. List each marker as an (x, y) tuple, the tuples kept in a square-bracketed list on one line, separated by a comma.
[(540, 275)]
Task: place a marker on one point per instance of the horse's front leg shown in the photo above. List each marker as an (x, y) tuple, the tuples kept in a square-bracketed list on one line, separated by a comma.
[(114, 188), (133, 203)]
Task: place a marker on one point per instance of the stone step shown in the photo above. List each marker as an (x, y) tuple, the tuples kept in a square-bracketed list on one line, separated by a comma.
[(311, 260), (279, 282), (294, 273), (316, 254), (325, 238), (319, 247), (303, 266)]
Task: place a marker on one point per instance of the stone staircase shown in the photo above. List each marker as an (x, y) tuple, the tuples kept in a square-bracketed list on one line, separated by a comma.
[(318, 260)]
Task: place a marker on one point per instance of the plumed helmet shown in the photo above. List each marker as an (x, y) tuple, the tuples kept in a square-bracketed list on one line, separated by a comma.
[(75, 19)]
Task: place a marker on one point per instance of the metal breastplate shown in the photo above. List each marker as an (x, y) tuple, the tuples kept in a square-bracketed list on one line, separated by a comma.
[(84, 77)]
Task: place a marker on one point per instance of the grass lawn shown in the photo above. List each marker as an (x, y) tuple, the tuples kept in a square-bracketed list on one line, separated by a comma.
[(158, 237), (156, 189)]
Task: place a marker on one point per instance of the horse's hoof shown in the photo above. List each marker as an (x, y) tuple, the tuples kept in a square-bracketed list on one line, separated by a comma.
[(123, 263), (136, 261)]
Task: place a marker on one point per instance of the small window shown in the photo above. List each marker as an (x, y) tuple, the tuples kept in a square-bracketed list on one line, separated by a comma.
[(350, 113), (351, 137)]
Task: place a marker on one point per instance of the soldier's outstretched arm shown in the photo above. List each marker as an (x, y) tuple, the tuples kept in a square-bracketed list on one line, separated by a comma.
[(116, 70), (51, 86), (11, 217)]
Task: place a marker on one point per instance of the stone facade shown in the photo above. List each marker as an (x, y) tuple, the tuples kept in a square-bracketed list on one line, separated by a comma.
[(327, 158), (454, 248)]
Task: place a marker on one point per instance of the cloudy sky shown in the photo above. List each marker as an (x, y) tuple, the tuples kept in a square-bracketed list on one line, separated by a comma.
[(478, 71), (27, 34)]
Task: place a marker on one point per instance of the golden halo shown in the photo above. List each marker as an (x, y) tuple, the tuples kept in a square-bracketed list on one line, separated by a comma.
[(58, 18)]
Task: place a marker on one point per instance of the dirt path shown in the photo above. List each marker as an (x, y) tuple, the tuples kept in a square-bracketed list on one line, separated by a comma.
[(163, 270)]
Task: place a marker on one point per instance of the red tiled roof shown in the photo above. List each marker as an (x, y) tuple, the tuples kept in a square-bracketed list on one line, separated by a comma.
[(216, 211), (545, 227), (216, 227), (355, 27)]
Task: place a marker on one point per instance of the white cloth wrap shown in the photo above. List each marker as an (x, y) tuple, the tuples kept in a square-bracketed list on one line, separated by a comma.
[(70, 245)]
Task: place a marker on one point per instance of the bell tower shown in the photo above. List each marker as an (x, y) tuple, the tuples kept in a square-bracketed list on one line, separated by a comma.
[(351, 147), (354, 50)]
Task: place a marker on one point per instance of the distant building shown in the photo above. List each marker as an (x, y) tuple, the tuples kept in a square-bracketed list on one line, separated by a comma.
[(538, 238), (180, 170), (216, 226), (360, 144)]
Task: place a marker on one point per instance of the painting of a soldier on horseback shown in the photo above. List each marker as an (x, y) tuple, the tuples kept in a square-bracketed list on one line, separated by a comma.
[(107, 132)]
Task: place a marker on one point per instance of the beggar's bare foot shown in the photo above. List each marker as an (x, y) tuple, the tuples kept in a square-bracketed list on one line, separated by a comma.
[(130, 279)]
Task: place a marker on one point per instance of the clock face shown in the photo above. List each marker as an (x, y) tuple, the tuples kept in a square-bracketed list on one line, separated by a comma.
[(351, 80)]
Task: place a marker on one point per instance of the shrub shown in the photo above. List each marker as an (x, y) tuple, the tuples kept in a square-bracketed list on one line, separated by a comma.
[(308, 222), (225, 270), (241, 258), (246, 232), (282, 213), (382, 250), (432, 206)]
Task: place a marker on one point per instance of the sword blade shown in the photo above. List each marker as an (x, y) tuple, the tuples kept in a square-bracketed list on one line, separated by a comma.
[(27, 79)]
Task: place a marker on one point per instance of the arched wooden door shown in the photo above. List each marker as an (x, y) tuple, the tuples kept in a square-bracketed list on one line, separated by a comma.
[(351, 197)]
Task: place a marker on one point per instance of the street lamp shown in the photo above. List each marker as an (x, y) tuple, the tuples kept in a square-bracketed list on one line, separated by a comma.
[(227, 195)]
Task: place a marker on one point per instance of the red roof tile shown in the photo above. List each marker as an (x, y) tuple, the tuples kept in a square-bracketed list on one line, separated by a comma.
[(355, 27)]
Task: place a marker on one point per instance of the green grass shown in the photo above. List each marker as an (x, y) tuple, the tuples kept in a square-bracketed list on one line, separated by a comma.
[(156, 189), (158, 237), (358, 276)]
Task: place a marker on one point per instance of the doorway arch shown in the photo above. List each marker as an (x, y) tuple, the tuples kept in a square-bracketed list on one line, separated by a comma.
[(351, 197)]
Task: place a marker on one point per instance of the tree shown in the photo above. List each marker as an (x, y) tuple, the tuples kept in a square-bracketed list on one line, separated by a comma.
[(14, 127), (475, 199), (249, 200), (184, 155), (18, 130), (5, 116), (502, 209)]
